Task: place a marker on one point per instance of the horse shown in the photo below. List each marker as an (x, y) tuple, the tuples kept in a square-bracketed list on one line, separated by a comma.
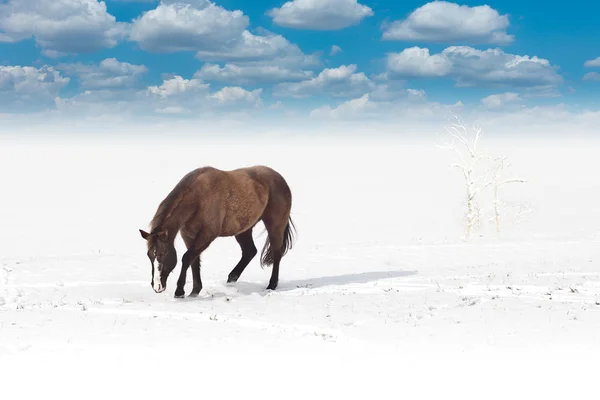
[(209, 203)]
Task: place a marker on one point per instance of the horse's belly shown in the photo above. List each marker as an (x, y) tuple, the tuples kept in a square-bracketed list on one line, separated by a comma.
[(235, 228), (242, 214)]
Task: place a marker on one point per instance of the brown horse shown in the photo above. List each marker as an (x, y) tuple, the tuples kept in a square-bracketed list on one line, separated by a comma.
[(209, 203)]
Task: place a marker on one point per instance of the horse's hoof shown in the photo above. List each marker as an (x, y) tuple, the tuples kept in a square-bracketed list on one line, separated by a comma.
[(271, 287), (193, 294), (179, 295), (232, 279)]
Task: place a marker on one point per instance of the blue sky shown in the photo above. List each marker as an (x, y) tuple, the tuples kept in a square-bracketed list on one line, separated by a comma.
[(181, 58)]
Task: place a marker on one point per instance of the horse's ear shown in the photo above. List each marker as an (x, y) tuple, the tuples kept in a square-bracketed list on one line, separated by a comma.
[(163, 235), (144, 234)]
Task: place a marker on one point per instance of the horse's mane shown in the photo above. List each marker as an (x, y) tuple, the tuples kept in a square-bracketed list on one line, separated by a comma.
[(170, 203)]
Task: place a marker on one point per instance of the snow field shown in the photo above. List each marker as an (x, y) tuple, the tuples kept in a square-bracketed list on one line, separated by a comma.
[(379, 296)]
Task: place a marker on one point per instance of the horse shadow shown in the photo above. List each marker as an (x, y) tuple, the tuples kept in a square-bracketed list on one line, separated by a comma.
[(341, 280), (250, 288)]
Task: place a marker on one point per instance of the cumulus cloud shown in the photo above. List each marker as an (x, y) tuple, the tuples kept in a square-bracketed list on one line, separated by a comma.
[(198, 25), (250, 74), (394, 90), (178, 86), (98, 104), (343, 81), (320, 14), (472, 67), (217, 35), (592, 63), (234, 95), (348, 109), (266, 58), (442, 21), (109, 74), (417, 93), (174, 96), (29, 88), (412, 106), (592, 76), (60, 26), (335, 50), (266, 49), (31, 80), (501, 101), (415, 61)]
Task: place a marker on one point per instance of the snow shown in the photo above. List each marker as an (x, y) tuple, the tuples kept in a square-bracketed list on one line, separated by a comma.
[(380, 295)]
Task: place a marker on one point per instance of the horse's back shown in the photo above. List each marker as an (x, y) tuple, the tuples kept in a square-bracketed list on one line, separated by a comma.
[(279, 193), (265, 175), (257, 180)]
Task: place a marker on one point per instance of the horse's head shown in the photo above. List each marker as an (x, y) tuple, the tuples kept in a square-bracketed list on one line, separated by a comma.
[(163, 257)]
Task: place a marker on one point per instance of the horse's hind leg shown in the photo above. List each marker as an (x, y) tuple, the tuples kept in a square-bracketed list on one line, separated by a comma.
[(249, 251), (276, 239)]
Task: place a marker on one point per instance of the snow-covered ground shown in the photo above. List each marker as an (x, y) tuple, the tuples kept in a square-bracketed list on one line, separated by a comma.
[(379, 297)]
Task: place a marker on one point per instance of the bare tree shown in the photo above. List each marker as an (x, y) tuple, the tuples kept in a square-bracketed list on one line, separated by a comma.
[(465, 145), (498, 181)]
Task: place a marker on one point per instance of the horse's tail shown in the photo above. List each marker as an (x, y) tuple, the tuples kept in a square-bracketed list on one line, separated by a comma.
[(266, 257)]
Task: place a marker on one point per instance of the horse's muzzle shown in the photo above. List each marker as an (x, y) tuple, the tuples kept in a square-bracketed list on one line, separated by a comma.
[(159, 288)]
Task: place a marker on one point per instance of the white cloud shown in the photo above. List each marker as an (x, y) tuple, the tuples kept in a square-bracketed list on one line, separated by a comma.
[(98, 104), (110, 73), (265, 58), (320, 14), (198, 25), (174, 96), (417, 93), (411, 107), (250, 74), (31, 80), (276, 106), (265, 49), (27, 88), (335, 50), (351, 108), (592, 76), (175, 110), (393, 91), (472, 67), (417, 62), (179, 86), (60, 26), (442, 21), (501, 101), (216, 35), (234, 95), (343, 81), (592, 63)]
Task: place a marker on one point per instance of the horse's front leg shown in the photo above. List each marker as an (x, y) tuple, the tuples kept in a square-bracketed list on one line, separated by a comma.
[(197, 279), (185, 263), (193, 256)]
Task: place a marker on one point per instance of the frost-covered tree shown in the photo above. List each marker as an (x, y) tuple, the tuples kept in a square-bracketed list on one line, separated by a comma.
[(465, 142), (498, 181), (479, 171)]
